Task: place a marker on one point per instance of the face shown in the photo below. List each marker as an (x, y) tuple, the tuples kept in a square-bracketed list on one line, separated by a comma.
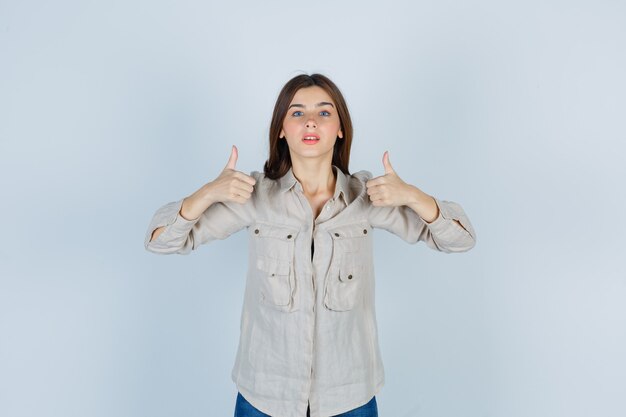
[(311, 113)]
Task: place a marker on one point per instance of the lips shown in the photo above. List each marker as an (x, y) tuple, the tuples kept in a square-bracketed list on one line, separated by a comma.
[(311, 136)]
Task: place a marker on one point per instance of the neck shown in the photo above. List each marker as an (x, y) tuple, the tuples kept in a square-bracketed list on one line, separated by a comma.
[(317, 177)]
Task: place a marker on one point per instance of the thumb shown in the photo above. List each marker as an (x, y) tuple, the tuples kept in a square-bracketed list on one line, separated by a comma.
[(387, 164), (233, 158)]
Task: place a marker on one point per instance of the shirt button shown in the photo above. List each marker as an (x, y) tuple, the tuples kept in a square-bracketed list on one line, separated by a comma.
[(288, 236), (256, 231)]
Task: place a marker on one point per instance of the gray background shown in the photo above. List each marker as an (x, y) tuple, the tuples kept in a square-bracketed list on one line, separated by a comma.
[(515, 110)]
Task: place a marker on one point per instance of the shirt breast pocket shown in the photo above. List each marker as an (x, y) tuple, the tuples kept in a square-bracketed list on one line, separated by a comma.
[(345, 284), (353, 238), (274, 246), (349, 271), (277, 282)]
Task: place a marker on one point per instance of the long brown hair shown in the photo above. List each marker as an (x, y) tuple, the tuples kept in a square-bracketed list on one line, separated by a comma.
[(279, 160)]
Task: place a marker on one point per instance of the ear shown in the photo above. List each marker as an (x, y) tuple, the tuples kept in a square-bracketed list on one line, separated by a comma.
[(340, 134), (281, 135)]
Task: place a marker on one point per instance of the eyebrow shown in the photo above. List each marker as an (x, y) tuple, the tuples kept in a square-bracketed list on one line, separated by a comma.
[(321, 103)]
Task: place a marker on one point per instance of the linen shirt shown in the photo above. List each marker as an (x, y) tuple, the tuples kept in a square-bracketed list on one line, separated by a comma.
[(308, 330)]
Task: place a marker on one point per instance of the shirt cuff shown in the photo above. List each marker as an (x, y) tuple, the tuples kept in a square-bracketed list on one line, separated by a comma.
[(181, 224), (446, 212), (175, 225)]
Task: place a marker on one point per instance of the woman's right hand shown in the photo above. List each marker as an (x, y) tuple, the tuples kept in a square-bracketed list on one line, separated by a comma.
[(230, 185)]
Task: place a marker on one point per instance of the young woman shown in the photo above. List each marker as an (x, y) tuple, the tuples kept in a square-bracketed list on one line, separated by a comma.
[(308, 343)]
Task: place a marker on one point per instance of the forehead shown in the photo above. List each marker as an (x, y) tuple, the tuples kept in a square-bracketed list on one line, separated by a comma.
[(311, 95)]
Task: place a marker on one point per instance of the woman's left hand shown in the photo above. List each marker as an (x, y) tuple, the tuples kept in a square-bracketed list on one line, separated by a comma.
[(390, 190)]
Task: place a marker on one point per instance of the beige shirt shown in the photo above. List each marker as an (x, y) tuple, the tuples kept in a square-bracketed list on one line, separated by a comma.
[(308, 324)]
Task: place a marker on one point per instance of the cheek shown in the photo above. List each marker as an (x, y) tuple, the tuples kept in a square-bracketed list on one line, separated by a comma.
[(290, 125), (333, 125)]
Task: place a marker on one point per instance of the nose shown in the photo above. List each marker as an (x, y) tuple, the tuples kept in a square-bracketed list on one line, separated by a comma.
[(311, 123)]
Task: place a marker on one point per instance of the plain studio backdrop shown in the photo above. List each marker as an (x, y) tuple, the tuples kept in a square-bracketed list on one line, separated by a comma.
[(515, 110)]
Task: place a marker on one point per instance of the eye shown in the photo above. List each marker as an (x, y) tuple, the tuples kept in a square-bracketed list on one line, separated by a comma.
[(324, 111)]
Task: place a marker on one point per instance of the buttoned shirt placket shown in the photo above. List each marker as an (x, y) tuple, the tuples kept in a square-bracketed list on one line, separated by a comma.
[(326, 213)]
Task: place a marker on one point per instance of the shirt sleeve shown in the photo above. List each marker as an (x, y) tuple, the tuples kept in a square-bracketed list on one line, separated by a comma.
[(443, 234), (182, 236)]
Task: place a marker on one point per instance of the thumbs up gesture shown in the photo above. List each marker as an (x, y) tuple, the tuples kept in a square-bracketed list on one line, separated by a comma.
[(232, 185), (389, 189)]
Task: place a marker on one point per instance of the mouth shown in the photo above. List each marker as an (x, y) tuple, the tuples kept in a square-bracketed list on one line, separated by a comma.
[(311, 138)]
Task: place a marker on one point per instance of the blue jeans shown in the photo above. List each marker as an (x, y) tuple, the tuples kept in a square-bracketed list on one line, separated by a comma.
[(244, 409)]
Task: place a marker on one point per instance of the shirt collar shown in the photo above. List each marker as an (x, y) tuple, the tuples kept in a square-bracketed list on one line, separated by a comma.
[(288, 181)]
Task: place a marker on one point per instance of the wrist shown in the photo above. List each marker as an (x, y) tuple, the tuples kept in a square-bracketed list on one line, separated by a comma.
[(417, 197), (424, 205), (193, 206), (186, 210)]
